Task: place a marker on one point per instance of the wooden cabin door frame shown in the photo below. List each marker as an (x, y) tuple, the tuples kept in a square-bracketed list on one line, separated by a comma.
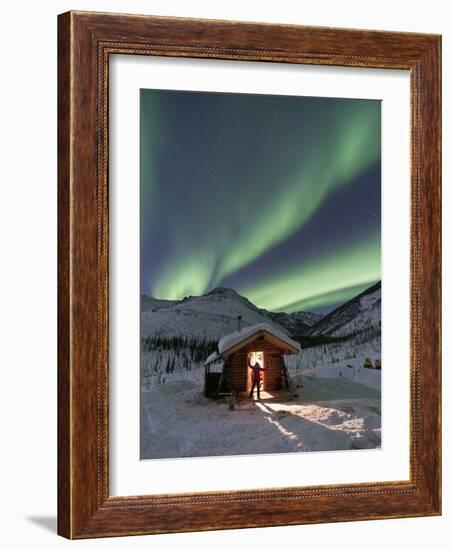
[(249, 371)]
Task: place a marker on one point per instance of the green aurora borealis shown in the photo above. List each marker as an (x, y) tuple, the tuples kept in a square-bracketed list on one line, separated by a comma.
[(277, 197)]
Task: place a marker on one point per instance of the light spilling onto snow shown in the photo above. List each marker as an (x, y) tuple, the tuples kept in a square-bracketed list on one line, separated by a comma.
[(177, 421)]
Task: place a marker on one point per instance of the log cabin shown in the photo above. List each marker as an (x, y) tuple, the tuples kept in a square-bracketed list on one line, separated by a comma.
[(227, 369)]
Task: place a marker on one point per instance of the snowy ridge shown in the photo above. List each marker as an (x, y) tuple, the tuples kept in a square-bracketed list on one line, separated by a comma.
[(152, 304), (210, 316), (298, 322), (362, 313)]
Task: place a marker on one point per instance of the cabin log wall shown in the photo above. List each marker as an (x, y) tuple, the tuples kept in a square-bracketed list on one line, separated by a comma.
[(271, 378), (239, 373)]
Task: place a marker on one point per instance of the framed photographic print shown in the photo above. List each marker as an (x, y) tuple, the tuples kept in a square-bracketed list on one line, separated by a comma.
[(249, 275)]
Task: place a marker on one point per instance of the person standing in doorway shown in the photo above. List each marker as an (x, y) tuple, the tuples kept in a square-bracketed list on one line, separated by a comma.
[(256, 377)]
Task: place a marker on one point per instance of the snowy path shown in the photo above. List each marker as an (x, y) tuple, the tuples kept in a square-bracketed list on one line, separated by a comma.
[(329, 414)]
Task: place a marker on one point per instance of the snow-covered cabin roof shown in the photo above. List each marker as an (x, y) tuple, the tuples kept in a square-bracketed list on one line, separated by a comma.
[(237, 339), (213, 358)]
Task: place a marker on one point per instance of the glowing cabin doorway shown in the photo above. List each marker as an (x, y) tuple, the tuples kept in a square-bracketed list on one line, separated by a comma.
[(252, 358)]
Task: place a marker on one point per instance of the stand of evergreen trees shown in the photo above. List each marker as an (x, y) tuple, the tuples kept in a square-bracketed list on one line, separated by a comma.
[(197, 350)]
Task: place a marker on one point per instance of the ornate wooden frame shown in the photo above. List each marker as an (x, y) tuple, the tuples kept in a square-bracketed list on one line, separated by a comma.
[(85, 42)]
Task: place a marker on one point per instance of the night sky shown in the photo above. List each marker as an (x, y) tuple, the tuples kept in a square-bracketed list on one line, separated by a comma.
[(278, 197)]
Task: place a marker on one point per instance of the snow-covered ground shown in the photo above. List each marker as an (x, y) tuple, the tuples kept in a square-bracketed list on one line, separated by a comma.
[(327, 414), (354, 351), (347, 370)]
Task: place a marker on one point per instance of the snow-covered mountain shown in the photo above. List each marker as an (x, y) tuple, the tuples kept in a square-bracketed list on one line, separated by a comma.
[(211, 316), (362, 313), (296, 323), (151, 304)]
